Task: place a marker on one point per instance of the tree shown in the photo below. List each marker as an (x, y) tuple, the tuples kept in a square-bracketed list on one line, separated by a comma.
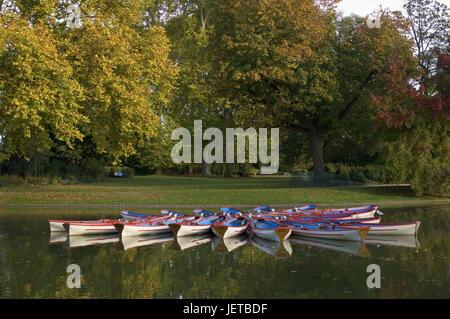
[(415, 127), (102, 83), (38, 95), (430, 26), (294, 65), (194, 97), (125, 71)]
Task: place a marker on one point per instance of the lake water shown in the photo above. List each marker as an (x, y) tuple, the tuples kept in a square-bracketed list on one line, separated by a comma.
[(33, 262)]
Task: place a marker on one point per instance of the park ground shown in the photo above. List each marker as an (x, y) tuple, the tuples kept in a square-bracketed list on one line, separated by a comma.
[(190, 192)]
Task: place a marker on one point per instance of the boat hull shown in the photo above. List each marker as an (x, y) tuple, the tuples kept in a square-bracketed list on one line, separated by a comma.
[(57, 225), (278, 234), (144, 230), (352, 234), (181, 230), (75, 229), (400, 229), (225, 232)]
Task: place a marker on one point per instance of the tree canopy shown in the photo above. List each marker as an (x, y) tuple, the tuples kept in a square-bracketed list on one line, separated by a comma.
[(109, 89)]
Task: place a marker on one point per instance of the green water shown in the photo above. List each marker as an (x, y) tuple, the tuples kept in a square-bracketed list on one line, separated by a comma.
[(33, 262)]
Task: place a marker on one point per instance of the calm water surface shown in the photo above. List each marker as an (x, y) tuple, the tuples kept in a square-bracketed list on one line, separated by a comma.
[(33, 262)]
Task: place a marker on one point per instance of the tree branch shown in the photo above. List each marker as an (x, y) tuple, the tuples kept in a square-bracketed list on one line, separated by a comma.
[(348, 108)]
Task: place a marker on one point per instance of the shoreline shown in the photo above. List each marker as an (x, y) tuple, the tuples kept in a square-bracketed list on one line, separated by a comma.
[(335, 204)]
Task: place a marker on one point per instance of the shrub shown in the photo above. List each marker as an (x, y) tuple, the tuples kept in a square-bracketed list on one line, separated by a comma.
[(376, 173), (127, 172), (93, 171), (11, 180)]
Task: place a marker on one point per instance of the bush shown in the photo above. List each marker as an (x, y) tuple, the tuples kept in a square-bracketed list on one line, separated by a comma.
[(127, 172), (14, 180), (253, 171), (36, 180), (11, 180), (72, 170), (93, 171), (307, 179), (364, 174)]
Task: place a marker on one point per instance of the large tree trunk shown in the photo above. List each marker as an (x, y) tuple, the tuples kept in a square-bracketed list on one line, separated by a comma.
[(317, 152), (229, 169)]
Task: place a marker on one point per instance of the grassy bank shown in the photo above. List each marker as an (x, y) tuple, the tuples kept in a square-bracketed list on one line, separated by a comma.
[(154, 190)]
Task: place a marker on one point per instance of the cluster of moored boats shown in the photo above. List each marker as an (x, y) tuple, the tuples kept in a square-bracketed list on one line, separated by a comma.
[(350, 224)]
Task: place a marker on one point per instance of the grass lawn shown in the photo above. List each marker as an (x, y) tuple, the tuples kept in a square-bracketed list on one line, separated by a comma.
[(165, 190)]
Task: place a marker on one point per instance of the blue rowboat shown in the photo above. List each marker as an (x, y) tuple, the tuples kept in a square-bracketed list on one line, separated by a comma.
[(229, 210), (325, 230), (269, 229), (394, 229), (202, 224), (232, 226), (152, 226)]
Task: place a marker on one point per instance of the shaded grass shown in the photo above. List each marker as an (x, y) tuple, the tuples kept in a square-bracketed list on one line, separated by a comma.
[(147, 190)]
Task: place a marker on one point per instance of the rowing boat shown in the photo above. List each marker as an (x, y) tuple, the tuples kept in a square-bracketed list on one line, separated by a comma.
[(90, 228), (394, 229), (133, 215), (197, 226), (269, 229), (356, 233), (58, 225), (150, 227), (362, 214), (341, 214), (230, 227)]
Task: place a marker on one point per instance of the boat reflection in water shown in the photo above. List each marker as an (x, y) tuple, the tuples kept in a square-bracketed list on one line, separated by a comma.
[(398, 241), (91, 240), (129, 242), (191, 241), (275, 248), (227, 245), (357, 248), (57, 238)]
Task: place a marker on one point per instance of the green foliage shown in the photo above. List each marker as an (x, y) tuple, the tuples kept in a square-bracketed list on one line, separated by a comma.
[(11, 180), (102, 82), (413, 129), (364, 174), (109, 94), (127, 172), (93, 171)]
